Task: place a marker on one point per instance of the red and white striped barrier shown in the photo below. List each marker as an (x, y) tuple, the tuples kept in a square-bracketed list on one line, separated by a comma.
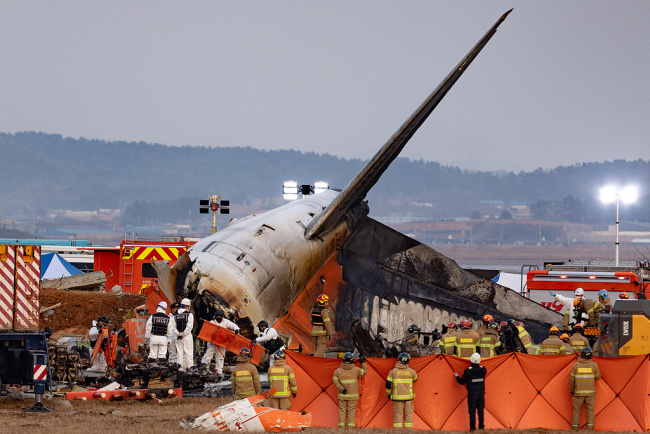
[(7, 278)]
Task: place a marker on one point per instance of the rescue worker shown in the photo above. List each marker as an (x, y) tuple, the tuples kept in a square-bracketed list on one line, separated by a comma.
[(568, 349), (183, 324), (172, 347), (244, 378), (449, 338), (466, 341), (605, 302), (321, 325), (412, 334), (624, 296), (509, 334), (158, 332), (474, 379), (553, 346), (524, 336), (268, 338), (282, 378), (438, 345), (213, 350), (590, 307), (399, 388), (577, 340), (568, 304), (582, 386), (346, 381), (410, 343), (490, 344), (99, 364), (487, 319)]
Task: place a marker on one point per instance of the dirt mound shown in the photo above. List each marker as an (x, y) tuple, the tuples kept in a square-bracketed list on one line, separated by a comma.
[(79, 308)]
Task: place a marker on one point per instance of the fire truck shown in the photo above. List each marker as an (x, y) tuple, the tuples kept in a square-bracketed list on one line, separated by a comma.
[(564, 278)]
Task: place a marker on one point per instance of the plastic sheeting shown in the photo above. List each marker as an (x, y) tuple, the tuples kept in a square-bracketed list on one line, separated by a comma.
[(53, 266), (522, 391)]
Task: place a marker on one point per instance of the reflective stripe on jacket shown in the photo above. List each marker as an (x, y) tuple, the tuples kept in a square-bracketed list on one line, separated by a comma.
[(399, 384), (282, 378), (347, 378), (584, 374)]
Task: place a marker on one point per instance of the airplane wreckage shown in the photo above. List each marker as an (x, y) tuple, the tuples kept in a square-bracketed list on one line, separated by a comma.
[(259, 267)]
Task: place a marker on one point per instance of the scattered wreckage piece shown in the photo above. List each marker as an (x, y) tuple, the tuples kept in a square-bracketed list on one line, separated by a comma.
[(247, 415), (227, 339), (122, 394), (93, 280)]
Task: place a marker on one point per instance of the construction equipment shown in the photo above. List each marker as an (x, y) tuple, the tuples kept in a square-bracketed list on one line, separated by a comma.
[(626, 331)]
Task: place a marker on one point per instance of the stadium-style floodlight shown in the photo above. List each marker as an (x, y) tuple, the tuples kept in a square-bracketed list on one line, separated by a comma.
[(213, 203), (290, 190), (611, 194), (320, 186)]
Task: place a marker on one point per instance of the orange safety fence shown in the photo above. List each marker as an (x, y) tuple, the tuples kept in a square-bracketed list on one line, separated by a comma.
[(522, 392)]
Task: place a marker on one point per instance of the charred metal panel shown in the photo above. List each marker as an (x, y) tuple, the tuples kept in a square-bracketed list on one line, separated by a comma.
[(395, 281)]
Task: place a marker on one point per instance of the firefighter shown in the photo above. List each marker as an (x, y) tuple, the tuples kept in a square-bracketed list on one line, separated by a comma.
[(624, 296), (215, 351), (412, 334), (568, 304), (577, 340), (553, 346), (568, 349), (99, 364), (172, 343), (489, 345), (281, 377), (474, 379), (158, 332), (487, 319), (346, 381), (466, 341), (590, 307), (524, 336), (399, 388), (321, 325), (582, 386), (449, 338), (605, 302), (183, 324), (244, 378)]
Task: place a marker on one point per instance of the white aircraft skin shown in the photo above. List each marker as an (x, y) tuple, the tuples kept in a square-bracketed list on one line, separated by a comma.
[(259, 264)]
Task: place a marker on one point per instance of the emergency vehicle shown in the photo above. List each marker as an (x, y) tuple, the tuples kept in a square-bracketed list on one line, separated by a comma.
[(564, 278)]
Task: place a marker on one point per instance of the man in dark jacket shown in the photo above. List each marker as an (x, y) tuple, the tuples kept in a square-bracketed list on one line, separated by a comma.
[(474, 379)]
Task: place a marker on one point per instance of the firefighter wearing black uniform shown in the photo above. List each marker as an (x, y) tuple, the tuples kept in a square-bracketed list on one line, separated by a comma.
[(474, 379)]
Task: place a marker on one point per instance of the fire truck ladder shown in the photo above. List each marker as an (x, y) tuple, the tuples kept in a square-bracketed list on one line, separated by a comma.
[(128, 260)]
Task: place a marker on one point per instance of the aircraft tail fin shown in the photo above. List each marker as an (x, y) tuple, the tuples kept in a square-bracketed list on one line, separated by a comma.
[(357, 189)]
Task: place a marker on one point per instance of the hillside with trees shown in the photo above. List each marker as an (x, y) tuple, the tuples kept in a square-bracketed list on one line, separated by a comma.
[(153, 184)]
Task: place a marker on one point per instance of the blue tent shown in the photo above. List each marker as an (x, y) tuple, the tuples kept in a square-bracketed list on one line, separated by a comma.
[(53, 266)]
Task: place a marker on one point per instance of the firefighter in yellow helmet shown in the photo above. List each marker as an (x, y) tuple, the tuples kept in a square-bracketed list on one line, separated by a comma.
[(577, 340), (244, 378), (346, 381), (553, 346), (399, 388), (321, 325), (582, 386), (568, 349), (282, 378)]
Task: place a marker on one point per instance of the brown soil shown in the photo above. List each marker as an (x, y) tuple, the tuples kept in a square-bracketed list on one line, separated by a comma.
[(79, 308), (141, 417)]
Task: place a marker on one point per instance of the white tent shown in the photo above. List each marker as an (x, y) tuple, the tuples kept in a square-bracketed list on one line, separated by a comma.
[(53, 266)]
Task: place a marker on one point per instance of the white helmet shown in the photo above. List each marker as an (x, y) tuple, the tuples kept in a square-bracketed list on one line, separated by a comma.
[(579, 292), (162, 305), (186, 302), (475, 359)]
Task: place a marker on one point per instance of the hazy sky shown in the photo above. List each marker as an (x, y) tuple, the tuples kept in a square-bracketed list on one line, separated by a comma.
[(561, 82)]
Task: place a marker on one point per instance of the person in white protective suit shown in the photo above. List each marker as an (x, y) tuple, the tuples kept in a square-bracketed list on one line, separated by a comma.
[(172, 341), (158, 332), (216, 351), (183, 324), (99, 365), (269, 339), (568, 303)]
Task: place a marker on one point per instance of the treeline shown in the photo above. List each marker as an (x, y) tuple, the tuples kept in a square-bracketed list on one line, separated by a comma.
[(154, 183)]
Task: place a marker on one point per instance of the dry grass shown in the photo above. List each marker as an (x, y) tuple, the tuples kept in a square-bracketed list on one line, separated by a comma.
[(134, 416)]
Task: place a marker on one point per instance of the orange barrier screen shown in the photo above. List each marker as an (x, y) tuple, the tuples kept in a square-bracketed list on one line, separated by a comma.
[(522, 392)]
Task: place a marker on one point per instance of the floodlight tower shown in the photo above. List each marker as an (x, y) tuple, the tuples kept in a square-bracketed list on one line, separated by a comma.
[(611, 194)]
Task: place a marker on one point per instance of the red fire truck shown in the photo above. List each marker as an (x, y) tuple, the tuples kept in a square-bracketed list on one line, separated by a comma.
[(563, 278)]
